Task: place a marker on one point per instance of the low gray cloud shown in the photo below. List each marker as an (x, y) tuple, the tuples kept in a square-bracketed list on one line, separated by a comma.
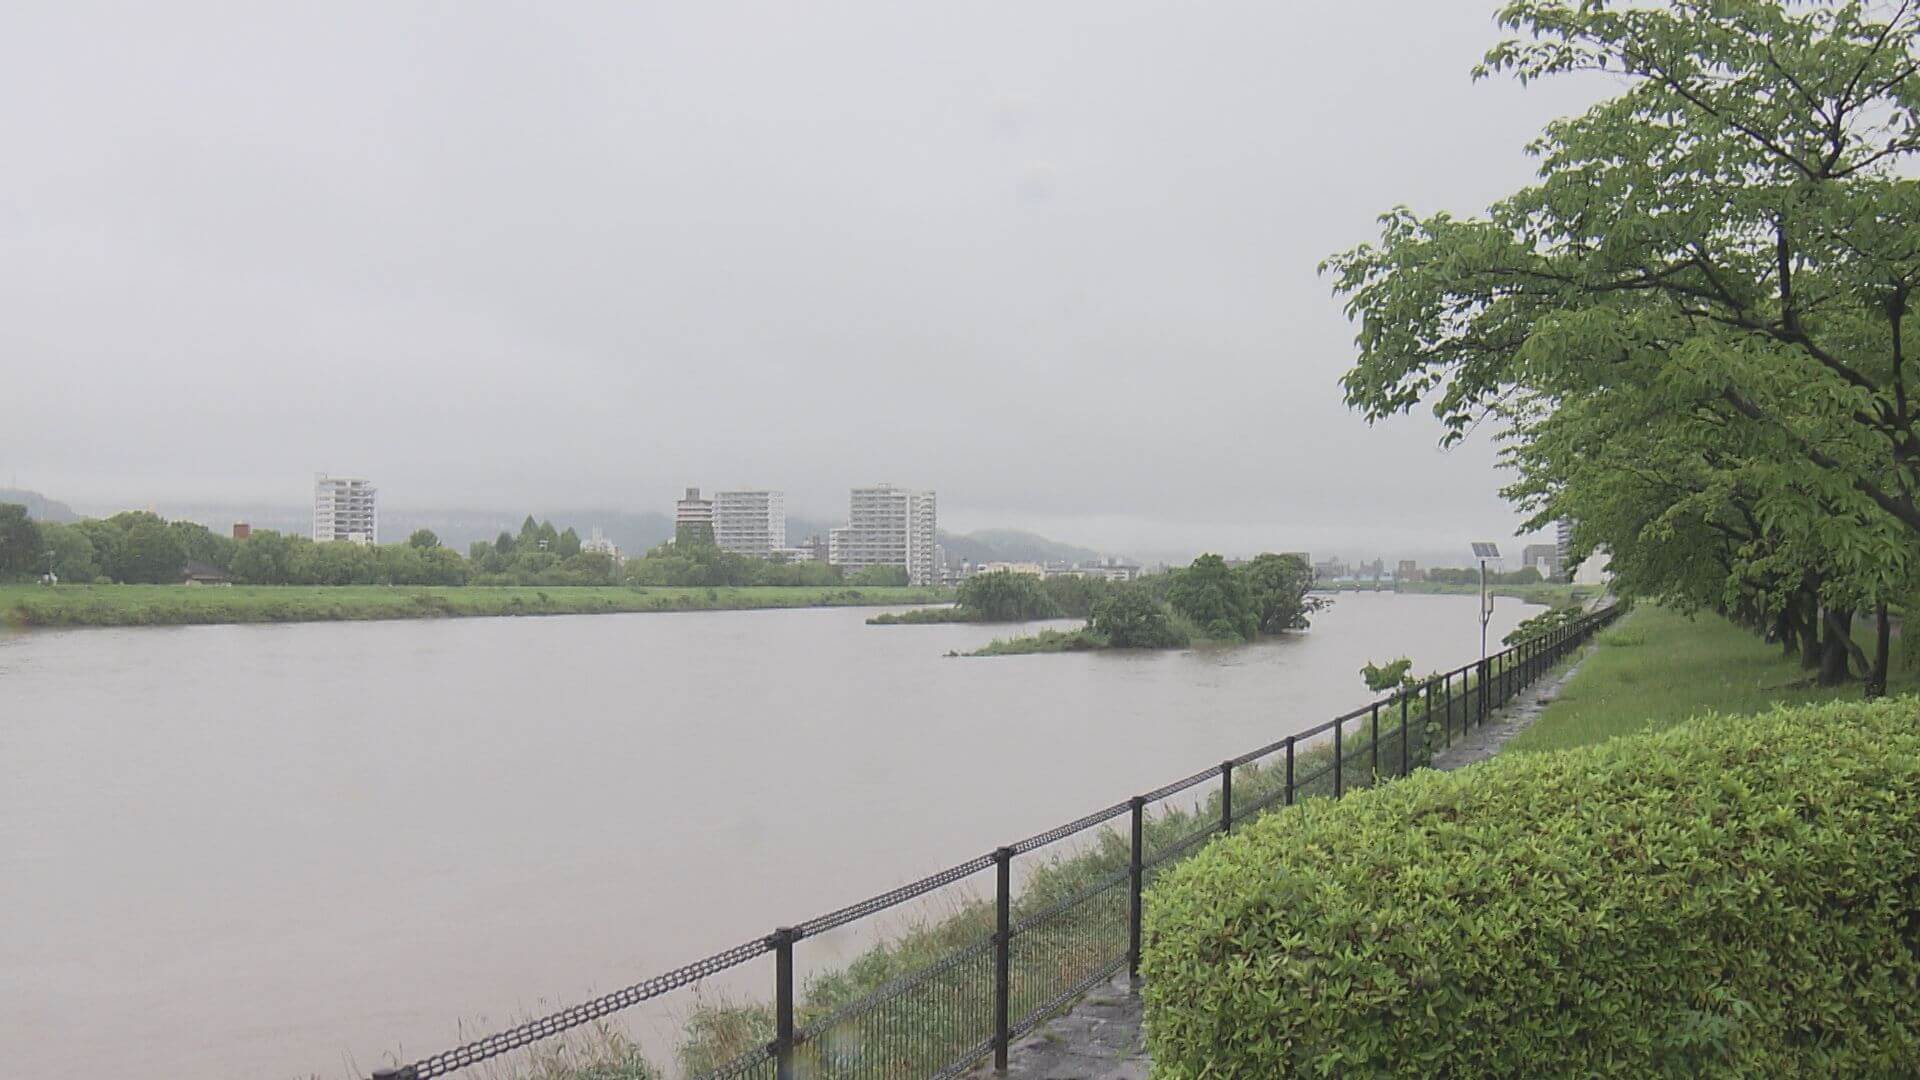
[(1056, 261)]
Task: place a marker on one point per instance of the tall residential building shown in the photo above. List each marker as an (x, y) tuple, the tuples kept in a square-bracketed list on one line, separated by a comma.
[(343, 510), (750, 523), (1542, 557), (887, 526), (692, 512), (1563, 548)]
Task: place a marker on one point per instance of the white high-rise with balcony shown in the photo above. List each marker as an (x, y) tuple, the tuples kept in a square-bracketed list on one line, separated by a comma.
[(343, 510), (887, 526), (752, 523)]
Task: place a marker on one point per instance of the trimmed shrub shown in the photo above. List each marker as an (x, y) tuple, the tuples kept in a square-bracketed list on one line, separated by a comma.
[(1736, 896)]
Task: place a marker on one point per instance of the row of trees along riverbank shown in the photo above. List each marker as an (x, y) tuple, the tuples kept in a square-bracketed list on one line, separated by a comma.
[(1694, 328), (1208, 600), (137, 547)]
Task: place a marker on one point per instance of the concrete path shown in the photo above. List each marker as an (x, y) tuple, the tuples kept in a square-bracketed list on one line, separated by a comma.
[(1517, 716), (1100, 1037)]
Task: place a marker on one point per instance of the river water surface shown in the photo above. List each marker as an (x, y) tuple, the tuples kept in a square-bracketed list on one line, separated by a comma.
[(282, 851)]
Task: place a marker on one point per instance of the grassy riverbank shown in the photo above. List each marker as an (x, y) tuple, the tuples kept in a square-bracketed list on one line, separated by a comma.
[(161, 605), (1657, 668)]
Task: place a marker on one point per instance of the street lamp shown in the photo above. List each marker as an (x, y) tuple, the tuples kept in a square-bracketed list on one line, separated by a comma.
[(1483, 552)]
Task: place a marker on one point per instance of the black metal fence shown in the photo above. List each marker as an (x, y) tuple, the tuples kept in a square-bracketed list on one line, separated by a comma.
[(1029, 956)]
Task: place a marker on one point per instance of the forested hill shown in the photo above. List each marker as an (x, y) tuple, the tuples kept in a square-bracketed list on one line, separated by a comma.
[(39, 507), (1011, 545)]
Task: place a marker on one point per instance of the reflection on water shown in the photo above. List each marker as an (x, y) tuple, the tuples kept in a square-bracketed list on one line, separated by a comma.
[(268, 850)]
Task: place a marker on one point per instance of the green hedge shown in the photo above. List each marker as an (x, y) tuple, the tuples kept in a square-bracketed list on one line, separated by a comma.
[(1737, 896)]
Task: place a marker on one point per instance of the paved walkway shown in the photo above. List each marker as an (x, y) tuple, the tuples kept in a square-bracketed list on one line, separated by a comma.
[(1100, 1037)]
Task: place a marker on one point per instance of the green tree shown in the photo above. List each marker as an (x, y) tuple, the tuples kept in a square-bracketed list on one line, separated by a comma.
[(263, 558), (151, 553), (503, 544), (569, 544), (1693, 326), (1130, 618), (878, 576), (1211, 595), (73, 557), (21, 551), (1004, 596), (201, 544), (423, 538), (1277, 588)]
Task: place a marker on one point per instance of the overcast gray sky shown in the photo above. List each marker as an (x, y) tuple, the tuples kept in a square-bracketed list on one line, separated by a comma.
[(1054, 260)]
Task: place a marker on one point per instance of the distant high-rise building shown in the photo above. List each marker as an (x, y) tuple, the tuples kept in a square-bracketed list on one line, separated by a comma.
[(693, 512), (1563, 547), (343, 510), (1542, 557), (887, 526), (752, 523)]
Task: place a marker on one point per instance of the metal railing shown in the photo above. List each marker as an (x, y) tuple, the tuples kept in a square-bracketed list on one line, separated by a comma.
[(1044, 951)]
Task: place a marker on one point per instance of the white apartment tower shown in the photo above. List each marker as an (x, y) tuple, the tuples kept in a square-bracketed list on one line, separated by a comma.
[(343, 510), (887, 526), (752, 523), (693, 511)]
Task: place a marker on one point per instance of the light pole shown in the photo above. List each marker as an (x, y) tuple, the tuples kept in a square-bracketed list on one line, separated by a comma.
[(1483, 552)]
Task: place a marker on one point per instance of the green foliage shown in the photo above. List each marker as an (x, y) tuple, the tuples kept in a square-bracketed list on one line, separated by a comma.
[(1692, 328), (21, 548), (879, 576), (1543, 624), (1215, 599), (1730, 898), (149, 552), (423, 538), (1390, 676), (1130, 618), (73, 555), (1277, 590), (1004, 596)]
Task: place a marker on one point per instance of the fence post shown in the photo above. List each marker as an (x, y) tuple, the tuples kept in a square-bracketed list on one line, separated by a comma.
[(1426, 726), (1446, 724), (1338, 763), (1289, 770), (783, 939), (1002, 946), (1134, 874), (1226, 796), (1406, 734), (1480, 706), (1373, 745)]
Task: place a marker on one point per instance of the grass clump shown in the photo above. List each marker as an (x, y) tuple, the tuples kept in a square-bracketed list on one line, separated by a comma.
[(1734, 897)]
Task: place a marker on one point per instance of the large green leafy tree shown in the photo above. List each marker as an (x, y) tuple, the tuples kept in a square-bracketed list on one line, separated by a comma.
[(21, 552), (151, 554), (1211, 595), (1277, 588), (1129, 617), (1719, 261), (73, 557), (1004, 596)]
